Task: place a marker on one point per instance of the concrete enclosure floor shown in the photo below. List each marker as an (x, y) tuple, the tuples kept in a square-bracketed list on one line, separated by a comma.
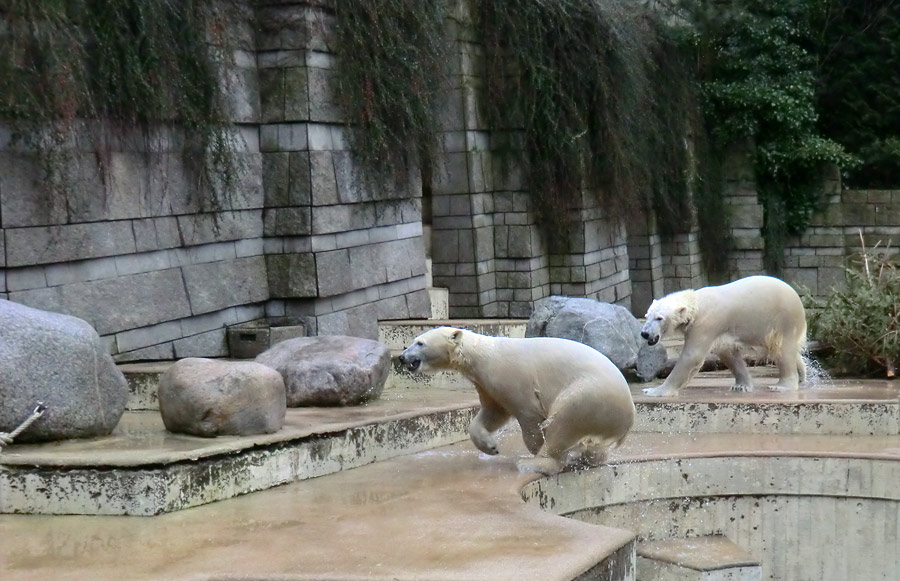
[(448, 513)]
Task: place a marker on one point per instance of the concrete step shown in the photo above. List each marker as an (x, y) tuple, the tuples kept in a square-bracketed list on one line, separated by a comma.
[(399, 334), (143, 380), (143, 470), (833, 407), (440, 302), (709, 558)]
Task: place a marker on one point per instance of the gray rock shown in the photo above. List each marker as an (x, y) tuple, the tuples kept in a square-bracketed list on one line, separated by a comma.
[(61, 361), (610, 329), (330, 370), (209, 398)]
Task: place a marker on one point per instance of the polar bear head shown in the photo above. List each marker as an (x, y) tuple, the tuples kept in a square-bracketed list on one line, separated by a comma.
[(671, 313), (433, 350)]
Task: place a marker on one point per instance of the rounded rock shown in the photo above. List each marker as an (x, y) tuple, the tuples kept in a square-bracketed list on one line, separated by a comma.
[(331, 370), (209, 398), (608, 328), (61, 361)]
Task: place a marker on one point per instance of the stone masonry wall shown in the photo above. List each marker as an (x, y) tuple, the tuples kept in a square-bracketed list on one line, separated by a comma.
[(342, 253), (161, 271), (139, 253), (488, 248), (817, 259)]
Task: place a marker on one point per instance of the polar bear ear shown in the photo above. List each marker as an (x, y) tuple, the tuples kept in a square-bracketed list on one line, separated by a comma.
[(456, 336), (683, 315)]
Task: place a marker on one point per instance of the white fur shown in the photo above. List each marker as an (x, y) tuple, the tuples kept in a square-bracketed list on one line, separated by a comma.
[(757, 313), (566, 396)]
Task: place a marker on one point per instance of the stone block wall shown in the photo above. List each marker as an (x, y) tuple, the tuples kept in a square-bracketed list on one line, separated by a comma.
[(645, 263), (157, 266), (596, 263), (488, 247), (817, 259), (161, 269), (342, 251)]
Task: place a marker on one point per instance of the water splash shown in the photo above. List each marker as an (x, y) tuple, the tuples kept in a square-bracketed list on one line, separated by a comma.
[(816, 375)]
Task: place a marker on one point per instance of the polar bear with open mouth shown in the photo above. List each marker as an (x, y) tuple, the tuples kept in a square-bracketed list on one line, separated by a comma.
[(566, 396), (756, 312)]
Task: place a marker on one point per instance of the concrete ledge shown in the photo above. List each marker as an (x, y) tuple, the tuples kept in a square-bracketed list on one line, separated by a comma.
[(835, 407), (143, 381), (449, 514), (399, 334), (706, 558), (143, 470)]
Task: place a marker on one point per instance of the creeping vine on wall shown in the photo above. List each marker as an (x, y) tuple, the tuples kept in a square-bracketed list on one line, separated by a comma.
[(76, 73), (756, 70), (602, 98), (392, 69)]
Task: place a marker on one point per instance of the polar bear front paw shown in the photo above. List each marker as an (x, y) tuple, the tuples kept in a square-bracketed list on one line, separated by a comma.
[(746, 387), (660, 391), (486, 446)]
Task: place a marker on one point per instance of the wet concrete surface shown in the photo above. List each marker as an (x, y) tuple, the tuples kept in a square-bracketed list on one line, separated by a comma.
[(141, 439), (713, 386), (448, 513)]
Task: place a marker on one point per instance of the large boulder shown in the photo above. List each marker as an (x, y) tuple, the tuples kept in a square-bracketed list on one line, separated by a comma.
[(610, 329), (209, 398), (329, 370), (61, 361)]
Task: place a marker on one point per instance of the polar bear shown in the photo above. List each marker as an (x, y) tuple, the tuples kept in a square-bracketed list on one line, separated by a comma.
[(756, 312), (566, 396)]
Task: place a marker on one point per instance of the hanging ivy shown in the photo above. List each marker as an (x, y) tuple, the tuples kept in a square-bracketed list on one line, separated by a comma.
[(602, 98), (392, 71), (76, 70)]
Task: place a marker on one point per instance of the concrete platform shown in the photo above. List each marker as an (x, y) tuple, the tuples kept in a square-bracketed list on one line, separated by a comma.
[(141, 469), (414, 508), (839, 407), (446, 514)]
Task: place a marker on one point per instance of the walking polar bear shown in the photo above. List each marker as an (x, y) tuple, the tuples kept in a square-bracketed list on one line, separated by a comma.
[(758, 312), (566, 396)]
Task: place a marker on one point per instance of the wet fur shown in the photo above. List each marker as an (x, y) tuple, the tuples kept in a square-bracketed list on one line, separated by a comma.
[(568, 398), (756, 315)]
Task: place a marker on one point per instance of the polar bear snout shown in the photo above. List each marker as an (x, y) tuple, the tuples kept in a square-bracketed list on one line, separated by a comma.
[(410, 360), (650, 333)]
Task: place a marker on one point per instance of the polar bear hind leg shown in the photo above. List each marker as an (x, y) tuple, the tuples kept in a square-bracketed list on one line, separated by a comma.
[(733, 358), (573, 425), (791, 368)]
